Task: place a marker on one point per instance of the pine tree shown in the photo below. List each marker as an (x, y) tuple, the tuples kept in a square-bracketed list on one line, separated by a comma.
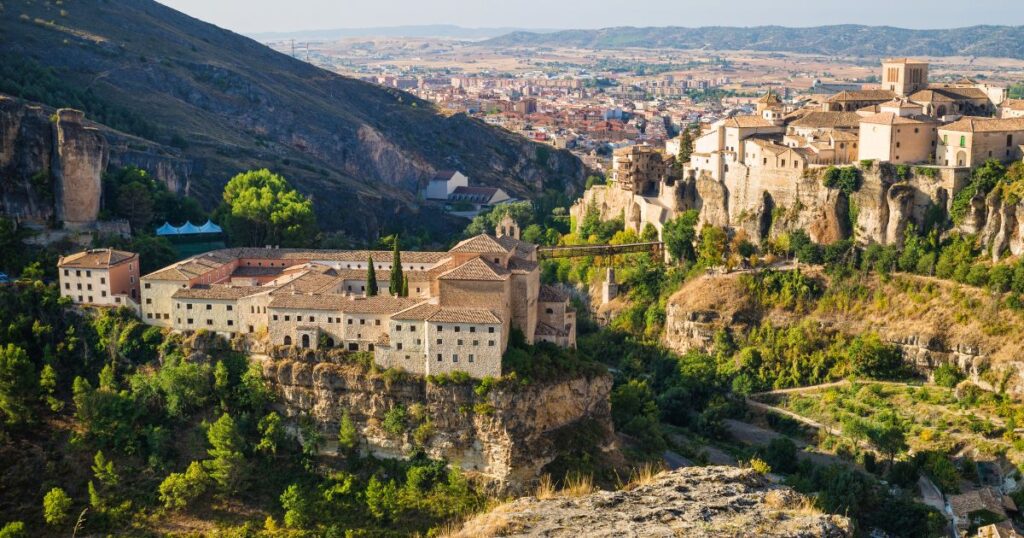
[(348, 436), (371, 280), (395, 287), (685, 145)]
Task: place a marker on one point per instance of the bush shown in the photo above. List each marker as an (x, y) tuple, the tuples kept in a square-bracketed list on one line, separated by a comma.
[(948, 376), (395, 420), (178, 490), (56, 505)]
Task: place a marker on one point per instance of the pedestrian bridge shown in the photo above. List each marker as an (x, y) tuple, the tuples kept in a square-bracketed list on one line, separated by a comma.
[(579, 251)]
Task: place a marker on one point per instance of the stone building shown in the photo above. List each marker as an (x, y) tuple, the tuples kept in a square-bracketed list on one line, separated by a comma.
[(461, 309), (101, 277), (899, 133), (639, 169), (972, 141)]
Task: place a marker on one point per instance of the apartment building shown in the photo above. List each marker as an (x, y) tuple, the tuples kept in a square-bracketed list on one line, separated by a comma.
[(972, 141), (101, 277)]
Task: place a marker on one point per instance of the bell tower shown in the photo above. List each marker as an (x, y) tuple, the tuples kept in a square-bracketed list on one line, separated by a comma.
[(507, 227)]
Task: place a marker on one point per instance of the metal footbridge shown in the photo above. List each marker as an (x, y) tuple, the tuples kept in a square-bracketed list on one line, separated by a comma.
[(579, 251)]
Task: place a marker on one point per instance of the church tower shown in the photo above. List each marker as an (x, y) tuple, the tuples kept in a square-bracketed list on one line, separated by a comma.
[(507, 227)]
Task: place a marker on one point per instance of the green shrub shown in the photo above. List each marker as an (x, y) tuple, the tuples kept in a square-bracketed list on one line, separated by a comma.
[(948, 376), (395, 420)]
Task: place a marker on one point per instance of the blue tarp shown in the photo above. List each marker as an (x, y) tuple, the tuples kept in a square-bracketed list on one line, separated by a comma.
[(188, 228)]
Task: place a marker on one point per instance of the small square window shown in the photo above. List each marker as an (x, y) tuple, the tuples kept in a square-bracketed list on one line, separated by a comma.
[(362, 322), (471, 357), (459, 342), (440, 328), (490, 343), (376, 322), (472, 329), (476, 342), (490, 330), (455, 358), (298, 318), (287, 318), (209, 322), (438, 341), (398, 346), (149, 301), (230, 308), (190, 321), (209, 307), (457, 328), (438, 357), (275, 317)]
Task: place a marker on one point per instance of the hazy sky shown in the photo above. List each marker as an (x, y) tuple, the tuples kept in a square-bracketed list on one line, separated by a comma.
[(289, 15)]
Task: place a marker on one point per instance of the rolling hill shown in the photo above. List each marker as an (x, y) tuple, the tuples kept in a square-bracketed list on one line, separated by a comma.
[(845, 40), (231, 104)]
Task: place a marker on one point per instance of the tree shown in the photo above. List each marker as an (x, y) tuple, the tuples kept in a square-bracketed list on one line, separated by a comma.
[(19, 385), (381, 498), (56, 505), (685, 146), (889, 435), (395, 285), (371, 279), (348, 435), (679, 234), (178, 490), (298, 507), (135, 203), (711, 250), (405, 285), (226, 464), (14, 529), (263, 209), (870, 357), (272, 434), (947, 375)]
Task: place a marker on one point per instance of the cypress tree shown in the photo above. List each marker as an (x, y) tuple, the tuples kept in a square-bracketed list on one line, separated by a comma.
[(395, 286), (685, 145), (371, 280), (405, 286)]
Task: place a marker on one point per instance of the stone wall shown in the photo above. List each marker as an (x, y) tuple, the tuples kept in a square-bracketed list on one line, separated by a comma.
[(505, 440)]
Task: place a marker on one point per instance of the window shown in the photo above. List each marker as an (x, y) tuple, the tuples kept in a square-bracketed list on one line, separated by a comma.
[(79, 285), (149, 315), (66, 272), (80, 298), (103, 280), (470, 357), (438, 341), (167, 316), (275, 317), (549, 310), (209, 322), (398, 346), (188, 306), (231, 322), (88, 274), (149, 301), (103, 293), (362, 322), (376, 322), (298, 318), (419, 342), (476, 342), (131, 279), (440, 328), (287, 317), (353, 346), (252, 329), (209, 307), (190, 321), (457, 328), (412, 328), (963, 141), (472, 329), (67, 286), (398, 328), (78, 273), (89, 287), (230, 308), (455, 358), (1009, 140), (458, 342), (312, 319), (490, 330), (350, 321), (90, 298), (438, 357), (490, 343)]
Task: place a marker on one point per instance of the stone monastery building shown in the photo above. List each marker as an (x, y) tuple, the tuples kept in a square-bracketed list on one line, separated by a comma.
[(460, 308)]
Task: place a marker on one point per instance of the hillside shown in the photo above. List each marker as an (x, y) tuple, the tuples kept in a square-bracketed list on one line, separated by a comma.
[(846, 40), (231, 104), (933, 321)]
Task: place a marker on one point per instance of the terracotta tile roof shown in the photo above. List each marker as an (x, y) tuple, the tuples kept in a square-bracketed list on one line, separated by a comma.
[(891, 118), (551, 294), (217, 292), (862, 95), (520, 266), (336, 302), (476, 269), (979, 499), (985, 125), (99, 258), (521, 248), (384, 275), (1013, 104), (931, 96), (310, 282), (747, 122), (960, 93), (192, 267), (828, 120), (419, 312), (464, 315), (481, 243), (902, 61)]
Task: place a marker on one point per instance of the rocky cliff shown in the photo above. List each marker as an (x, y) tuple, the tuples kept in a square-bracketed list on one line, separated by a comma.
[(504, 437), (52, 162), (934, 322), (692, 502)]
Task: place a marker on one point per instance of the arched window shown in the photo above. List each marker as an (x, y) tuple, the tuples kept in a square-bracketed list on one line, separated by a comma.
[(305, 340), (287, 340)]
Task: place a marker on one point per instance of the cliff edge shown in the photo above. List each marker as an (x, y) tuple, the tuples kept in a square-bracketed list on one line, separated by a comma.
[(692, 502)]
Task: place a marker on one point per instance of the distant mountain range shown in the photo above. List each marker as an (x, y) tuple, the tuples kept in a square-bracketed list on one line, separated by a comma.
[(448, 31), (843, 40)]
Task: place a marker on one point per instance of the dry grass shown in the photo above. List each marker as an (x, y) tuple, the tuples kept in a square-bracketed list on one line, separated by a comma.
[(577, 486), (642, 476), (545, 488), (493, 523)]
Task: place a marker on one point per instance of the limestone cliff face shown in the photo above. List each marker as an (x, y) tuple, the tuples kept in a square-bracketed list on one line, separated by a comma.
[(52, 163), (505, 437), (79, 162), (693, 502)]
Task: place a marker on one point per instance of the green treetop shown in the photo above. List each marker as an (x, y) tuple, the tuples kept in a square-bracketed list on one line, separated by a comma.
[(395, 286), (261, 208), (685, 145), (371, 280)]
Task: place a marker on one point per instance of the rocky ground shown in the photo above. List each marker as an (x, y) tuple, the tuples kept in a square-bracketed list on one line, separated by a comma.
[(691, 502)]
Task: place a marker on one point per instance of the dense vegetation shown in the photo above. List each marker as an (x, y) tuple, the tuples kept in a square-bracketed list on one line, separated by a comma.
[(136, 429)]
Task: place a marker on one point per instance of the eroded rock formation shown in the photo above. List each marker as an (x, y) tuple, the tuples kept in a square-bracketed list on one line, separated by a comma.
[(693, 502), (506, 436), (79, 161)]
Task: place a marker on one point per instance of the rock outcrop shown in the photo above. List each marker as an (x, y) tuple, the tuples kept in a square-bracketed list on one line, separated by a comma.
[(79, 162), (694, 502), (504, 437)]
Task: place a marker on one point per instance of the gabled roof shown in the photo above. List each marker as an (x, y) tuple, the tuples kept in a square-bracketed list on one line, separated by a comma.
[(551, 294), (985, 125), (443, 175), (217, 292), (828, 120), (480, 244), (891, 118), (745, 122), (98, 258), (476, 269), (862, 95)]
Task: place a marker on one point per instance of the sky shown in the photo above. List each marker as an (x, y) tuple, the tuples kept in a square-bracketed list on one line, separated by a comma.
[(251, 16)]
